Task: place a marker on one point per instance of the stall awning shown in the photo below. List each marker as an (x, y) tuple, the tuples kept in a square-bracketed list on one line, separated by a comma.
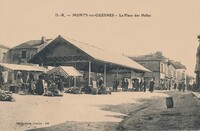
[(65, 71), (23, 67)]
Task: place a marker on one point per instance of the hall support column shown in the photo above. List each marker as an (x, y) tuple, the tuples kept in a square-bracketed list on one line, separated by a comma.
[(132, 76), (75, 76), (104, 80), (89, 74)]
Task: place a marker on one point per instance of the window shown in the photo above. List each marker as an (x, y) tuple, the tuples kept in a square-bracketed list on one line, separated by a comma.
[(23, 55)]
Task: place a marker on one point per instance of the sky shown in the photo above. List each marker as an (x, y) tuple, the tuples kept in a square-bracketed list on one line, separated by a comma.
[(173, 25)]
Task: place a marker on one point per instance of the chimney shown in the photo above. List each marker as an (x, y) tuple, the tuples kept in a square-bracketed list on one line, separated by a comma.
[(43, 40)]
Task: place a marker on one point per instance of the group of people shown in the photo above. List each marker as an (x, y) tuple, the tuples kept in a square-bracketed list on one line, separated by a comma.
[(142, 85), (45, 85), (138, 85), (181, 86), (124, 84)]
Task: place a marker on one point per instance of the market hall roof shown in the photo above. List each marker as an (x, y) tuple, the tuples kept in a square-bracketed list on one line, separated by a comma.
[(99, 54), (17, 67)]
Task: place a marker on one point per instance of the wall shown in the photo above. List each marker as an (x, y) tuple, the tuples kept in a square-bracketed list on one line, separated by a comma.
[(3, 55), (14, 55), (151, 65), (154, 66)]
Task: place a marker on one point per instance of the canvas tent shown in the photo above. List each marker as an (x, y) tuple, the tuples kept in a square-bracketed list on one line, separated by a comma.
[(10, 71), (65, 71), (16, 67)]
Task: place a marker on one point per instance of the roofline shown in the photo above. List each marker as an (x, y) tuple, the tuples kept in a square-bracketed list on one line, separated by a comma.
[(124, 66), (146, 60), (59, 36), (4, 47)]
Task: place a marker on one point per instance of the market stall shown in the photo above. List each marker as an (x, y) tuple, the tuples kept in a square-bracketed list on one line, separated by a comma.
[(66, 72), (12, 71)]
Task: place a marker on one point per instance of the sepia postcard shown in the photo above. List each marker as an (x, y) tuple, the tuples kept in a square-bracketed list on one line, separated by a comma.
[(99, 65)]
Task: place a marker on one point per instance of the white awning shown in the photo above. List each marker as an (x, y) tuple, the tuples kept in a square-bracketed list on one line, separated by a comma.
[(65, 71), (23, 67)]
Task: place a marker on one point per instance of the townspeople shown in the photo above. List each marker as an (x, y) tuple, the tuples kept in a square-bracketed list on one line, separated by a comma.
[(31, 84), (126, 85), (48, 87), (19, 80), (40, 86), (141, 85), (100, 82), (123, 84), (179, 86), (115, 84), (136, 85), (60, 85), (175, 86), (151, 86), (1, 79), (183, 86)]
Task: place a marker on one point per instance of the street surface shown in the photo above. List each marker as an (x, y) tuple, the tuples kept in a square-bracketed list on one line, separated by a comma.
[(119, 111)]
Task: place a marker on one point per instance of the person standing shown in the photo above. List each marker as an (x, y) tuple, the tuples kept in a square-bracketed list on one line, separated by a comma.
[(100, 83), (31, 83), (141, 85), (126, 85), (151, 86), (123, 84), (169, 85), (115, 84), (19, 81), (1, 79), (179, 86), (175, 85), (183, 86), (60, 85), (40, 86)]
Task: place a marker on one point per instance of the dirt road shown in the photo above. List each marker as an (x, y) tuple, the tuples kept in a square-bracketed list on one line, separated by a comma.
[(152, 114), (75, 112)]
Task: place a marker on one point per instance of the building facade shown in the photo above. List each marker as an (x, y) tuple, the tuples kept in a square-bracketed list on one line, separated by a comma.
[(165, 72), (25, 51), (3, 53), (197, 68)]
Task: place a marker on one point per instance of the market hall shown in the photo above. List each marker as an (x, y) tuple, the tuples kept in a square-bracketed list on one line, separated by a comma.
[(91, 61)]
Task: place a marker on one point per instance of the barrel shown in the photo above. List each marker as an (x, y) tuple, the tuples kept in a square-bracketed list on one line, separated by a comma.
[(169, 102)]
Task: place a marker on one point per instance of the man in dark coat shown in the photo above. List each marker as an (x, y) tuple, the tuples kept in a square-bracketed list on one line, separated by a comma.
[(60, 85), (126, 84), (31, 82), (40, 86), (179, 86), (1, 79), (175, 85), (151, 86), (141, 85), (183, 86), (123, 84), (115, 84)]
